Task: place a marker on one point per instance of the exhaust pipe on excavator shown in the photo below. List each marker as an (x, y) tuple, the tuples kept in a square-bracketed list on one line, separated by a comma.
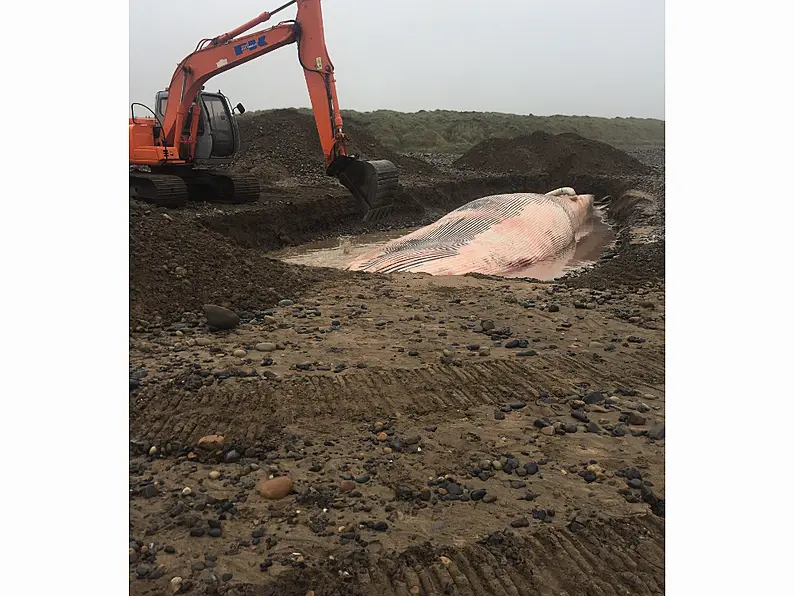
[(372, 183)]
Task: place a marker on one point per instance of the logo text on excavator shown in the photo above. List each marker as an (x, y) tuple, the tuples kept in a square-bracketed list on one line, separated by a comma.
[(251, 44)]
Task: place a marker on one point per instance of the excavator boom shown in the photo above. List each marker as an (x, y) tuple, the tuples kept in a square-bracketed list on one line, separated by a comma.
[(172, 143)]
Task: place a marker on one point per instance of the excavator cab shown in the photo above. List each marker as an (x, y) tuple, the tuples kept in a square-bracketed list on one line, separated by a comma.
[(218, 137)]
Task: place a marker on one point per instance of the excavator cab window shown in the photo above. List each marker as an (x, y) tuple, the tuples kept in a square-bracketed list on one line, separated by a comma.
[(220, 123)]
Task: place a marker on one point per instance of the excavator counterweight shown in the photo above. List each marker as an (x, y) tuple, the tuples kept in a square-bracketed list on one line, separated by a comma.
[(193, 133)]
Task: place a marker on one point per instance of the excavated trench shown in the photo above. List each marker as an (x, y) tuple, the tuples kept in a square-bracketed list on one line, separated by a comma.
[(307, 226), (182, 259)]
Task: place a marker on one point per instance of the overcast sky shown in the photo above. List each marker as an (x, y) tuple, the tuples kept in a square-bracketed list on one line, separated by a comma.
[(584, 57)]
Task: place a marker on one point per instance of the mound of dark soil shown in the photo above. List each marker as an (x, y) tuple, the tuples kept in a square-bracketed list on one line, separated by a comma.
[(279, 144), (634, 265), (177, 265), (565, 154)]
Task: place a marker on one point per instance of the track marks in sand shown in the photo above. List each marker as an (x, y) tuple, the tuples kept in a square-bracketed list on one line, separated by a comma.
[(606, 558), (247, 408)]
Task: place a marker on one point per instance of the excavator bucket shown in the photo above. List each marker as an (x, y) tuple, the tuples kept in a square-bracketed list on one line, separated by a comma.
[(373, 185)]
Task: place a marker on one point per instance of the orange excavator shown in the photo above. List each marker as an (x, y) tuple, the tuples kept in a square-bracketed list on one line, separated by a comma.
[(192, 132)]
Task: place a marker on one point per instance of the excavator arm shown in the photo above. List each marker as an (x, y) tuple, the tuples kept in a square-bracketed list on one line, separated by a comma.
[(371, 182)]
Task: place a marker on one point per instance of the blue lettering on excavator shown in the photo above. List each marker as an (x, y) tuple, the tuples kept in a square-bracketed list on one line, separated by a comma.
[(251, 44)]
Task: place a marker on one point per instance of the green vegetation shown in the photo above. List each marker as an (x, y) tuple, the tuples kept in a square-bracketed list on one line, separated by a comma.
[(445, 131)]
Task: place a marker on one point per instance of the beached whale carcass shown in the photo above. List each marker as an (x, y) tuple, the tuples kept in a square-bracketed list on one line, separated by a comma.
[(495, 235)]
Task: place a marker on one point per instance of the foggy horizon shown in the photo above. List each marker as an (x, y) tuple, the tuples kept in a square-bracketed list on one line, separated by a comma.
[(569, 58)]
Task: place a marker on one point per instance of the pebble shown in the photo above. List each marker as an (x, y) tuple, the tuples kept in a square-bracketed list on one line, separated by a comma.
[(380, 526), (636, 419), (220, 317), (516, 343), (595, 345), (554, 308), (633, 473), (522, 522), (580, 415), (347, 486), (239, 353), (382, 436), (149, 491), (527, 353), (211, 442), (657, 432), (275, 488), (531, 467), (594, 397), (226, 577), (285, 302), (265, 346), (477, 495), (548, 430), (499, 415), (484, 351), (497, 465), (214, 475), (175, 584), (203, 341)]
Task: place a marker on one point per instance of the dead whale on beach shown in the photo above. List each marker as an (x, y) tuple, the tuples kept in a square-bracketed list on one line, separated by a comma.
[(496, 235)]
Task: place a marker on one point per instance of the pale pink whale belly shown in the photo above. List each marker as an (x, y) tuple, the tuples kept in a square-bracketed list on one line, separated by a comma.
[(494, 235)]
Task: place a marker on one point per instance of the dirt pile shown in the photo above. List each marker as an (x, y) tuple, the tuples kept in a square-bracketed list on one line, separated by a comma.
[(177, 265), (565, 154), (280, 144)]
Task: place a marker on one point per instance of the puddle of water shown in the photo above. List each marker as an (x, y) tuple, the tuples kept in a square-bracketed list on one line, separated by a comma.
[(339, 252)]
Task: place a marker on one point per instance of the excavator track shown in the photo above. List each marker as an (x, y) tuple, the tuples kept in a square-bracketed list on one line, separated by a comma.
[(162, 190), (214, 186)]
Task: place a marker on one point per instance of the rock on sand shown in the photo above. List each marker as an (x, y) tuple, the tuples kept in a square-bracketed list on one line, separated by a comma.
[(220, 317), (275, 488)]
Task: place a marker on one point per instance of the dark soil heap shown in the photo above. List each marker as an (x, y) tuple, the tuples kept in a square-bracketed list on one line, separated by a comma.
[(562, 155), (280, 144), (177, 265)]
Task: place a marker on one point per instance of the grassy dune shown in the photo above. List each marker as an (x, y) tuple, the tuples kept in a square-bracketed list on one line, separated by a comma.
[(445, 131)]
